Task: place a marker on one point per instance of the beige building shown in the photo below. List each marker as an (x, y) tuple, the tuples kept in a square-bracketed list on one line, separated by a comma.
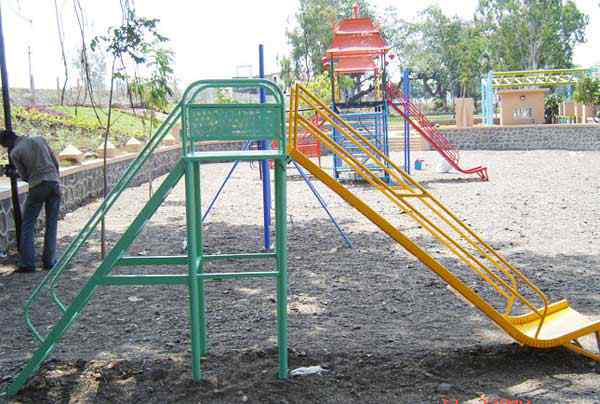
[(522, 106), (463, 109), (568, 108)]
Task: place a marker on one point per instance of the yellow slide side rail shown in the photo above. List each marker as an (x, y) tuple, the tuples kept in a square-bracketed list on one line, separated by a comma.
[(490, 265)]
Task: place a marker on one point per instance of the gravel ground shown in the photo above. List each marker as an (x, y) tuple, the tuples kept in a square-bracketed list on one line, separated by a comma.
[(386, 328)]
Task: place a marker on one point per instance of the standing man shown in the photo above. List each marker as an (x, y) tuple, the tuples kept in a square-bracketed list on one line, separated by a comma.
[(37, 165)]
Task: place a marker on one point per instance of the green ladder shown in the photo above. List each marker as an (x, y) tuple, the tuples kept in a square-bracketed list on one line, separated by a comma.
[(199, 122)]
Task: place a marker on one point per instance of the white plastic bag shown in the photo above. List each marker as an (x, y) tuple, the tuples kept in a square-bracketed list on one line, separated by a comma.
[(443, 167), (309, 370)]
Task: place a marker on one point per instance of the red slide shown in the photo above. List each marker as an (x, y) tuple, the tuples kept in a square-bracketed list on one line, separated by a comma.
[(431, 134)]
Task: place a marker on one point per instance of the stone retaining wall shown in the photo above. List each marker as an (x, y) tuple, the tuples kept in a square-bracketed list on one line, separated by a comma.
[(83, 183), (530, 137)]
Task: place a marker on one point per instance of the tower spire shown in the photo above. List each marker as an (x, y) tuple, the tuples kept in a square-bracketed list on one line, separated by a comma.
[(356, 10)]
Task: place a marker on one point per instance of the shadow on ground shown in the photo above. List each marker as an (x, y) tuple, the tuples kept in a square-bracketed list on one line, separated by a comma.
[(386, 328)]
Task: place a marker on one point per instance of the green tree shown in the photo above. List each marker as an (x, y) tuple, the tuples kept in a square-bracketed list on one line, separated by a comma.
[(311, 37), (532, 34), (131, 42), (344, 8), (286, 73), (221, 97), (154, 91), (471, 59), (551, 107), (312, 34), (587, 91), (320, 85), (446, 55)]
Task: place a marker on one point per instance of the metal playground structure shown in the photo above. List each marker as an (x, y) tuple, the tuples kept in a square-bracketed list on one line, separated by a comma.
[(511, 300), (358, 50), (265, 174), (526, 78)]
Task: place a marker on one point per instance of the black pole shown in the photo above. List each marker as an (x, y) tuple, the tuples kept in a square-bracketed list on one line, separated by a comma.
[(8, 126)]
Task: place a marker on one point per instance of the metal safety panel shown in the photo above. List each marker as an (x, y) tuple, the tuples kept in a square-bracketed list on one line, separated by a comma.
[(224, 122)]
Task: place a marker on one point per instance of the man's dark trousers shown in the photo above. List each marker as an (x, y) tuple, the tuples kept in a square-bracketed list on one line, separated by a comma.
[(47, 194)]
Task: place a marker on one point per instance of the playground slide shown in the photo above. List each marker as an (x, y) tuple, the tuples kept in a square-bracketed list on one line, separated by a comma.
[(431, 134), (504, 294)]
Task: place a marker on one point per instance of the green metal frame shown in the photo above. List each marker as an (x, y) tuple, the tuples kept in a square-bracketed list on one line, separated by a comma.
[(195, 128)]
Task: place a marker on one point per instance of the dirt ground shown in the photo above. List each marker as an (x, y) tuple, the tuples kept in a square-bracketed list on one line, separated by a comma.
[(385, 327)]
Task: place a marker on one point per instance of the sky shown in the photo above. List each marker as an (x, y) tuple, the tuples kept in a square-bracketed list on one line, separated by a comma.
[(211, 39)]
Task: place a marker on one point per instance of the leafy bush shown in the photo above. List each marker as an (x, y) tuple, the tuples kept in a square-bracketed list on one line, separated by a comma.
[(77, 126), (551, 104), (223, 98), (587, 91)]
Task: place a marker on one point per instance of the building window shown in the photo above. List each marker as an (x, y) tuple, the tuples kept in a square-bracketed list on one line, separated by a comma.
[(523, 113)]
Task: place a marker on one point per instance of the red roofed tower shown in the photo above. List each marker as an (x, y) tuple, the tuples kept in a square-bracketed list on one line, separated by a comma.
[(358, 49)]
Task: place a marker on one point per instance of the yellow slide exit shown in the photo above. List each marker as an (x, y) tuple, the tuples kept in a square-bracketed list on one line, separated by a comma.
[(512, 301)]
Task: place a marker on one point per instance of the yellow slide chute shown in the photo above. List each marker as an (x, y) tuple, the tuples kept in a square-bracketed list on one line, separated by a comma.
[(513, 302)]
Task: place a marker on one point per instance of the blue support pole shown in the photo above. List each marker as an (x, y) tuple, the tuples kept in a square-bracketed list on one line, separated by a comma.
[(483, 100), (406, 100), (323, 204), (229, 174), (264, 165), (386, 133), (489, 100)]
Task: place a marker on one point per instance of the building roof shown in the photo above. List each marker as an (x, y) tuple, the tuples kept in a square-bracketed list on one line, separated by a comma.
[(357, 36), (354, 64)]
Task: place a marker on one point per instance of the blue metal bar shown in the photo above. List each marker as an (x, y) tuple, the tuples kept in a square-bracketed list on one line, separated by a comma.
[(371, 126), (386, 140), (323, 204), (406, 100), (229, 174), (264, 165), (488, 117), (484, 95)]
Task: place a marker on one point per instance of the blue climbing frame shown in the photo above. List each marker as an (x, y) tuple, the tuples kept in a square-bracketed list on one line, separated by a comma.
[(373, 126)]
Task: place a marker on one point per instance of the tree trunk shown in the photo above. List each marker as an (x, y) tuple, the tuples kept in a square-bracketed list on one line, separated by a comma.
[(84, 61), (104, 165), (62, 51), (151, 177)]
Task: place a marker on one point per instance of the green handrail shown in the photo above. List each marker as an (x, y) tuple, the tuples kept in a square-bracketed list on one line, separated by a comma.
[(89, 227), (88, 289), (72, 310), (196, 87)]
